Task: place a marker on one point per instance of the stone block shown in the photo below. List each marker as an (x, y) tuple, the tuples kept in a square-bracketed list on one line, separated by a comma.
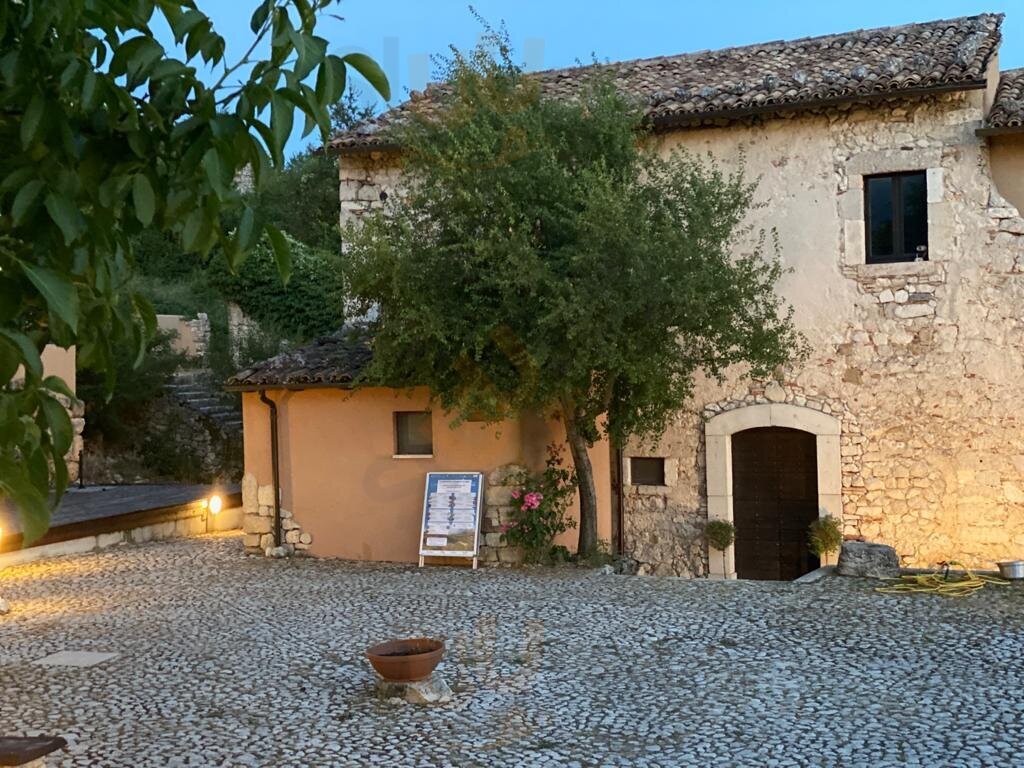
[(257, 524), (510, 555), (265, 495), (292, 537), (306, 538), (499, 496), (867, 560), (909, 311), (251, 540), (250, 491), (492, 539), (501, 475)]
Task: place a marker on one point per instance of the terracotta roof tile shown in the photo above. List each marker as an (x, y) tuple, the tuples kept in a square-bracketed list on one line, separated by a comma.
[(695, 87), (331, 361), (1008, 109)]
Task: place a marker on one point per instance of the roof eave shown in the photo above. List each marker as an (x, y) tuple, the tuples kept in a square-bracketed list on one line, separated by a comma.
[(285, 387), (696, 119), (1002, 130)]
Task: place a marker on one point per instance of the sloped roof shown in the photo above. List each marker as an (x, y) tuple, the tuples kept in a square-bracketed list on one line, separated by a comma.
[(692, 88), (1008, 109), (330, 361)]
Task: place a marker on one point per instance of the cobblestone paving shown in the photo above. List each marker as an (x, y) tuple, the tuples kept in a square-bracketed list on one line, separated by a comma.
[(233, 661)]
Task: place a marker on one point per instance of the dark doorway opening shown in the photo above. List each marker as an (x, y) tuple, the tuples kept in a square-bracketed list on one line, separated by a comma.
[(775, 499)]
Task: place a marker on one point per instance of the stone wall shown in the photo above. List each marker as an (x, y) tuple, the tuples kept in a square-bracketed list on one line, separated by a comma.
[(921, 361), (366, 180), (258, 521), (498, 512)]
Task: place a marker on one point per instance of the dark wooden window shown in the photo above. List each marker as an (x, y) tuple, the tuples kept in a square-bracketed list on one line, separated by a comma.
[(896, 212), (413, 433), (646, 471)]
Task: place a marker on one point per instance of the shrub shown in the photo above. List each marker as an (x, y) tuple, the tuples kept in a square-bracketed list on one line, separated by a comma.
[(541, 501), (312, 304), (113, 414), (824, 535), (720, 534)]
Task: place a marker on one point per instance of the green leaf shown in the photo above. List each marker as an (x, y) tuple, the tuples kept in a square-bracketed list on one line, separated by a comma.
[(247, 229), (10, 359), (59, 425), (330, 80), (214, 172), (24, 200), (32, 119), (29, 353), (260, 15), (282, 252), (371, 70), (58, 385), (281, 116), (143, 198), (26, 498), (59, 292), (66, 216)]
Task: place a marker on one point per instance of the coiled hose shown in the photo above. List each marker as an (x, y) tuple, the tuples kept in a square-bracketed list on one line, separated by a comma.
[(942, 583)]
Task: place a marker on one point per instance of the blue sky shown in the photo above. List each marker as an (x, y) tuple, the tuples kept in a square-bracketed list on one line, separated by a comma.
[(402, 34)]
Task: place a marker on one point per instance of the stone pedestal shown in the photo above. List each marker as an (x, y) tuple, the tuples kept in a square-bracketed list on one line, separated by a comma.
[(433, 690)]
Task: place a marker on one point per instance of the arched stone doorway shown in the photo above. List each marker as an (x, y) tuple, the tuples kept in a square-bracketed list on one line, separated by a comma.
[(719, 432)]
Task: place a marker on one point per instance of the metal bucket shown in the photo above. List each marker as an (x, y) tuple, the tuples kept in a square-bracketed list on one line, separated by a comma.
[(1011, 569)]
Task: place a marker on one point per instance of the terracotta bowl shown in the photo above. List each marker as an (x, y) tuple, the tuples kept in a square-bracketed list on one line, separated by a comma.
[(406, 661)]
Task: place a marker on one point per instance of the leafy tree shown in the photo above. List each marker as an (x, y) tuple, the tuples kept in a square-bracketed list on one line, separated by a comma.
[(106, 134), (302, 199), (543, 257)]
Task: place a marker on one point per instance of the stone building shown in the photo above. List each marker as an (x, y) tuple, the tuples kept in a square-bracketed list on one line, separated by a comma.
[(891, 165)]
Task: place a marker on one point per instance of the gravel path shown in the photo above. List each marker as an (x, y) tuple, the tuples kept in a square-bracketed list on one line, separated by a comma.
[(234, 661)]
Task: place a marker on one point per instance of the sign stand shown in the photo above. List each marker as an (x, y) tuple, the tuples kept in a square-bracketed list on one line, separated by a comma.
[(451, 516)]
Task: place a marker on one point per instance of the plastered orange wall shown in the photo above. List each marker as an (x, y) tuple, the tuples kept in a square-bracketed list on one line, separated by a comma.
[(340, 480)]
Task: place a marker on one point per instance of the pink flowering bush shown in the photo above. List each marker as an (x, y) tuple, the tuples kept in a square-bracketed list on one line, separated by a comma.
[(540, 502)]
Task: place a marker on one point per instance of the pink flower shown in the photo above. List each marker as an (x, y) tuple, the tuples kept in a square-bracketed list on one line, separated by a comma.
[(504, 528), (516, 494), (531, 501)]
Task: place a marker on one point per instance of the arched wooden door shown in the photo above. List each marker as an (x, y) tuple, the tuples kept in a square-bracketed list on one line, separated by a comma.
[(775, 499)]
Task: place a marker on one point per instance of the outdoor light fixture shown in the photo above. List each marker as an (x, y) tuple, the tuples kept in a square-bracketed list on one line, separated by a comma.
[(215, 504)]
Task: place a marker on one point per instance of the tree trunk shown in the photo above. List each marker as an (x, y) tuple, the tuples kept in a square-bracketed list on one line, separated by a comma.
[(587, 493)]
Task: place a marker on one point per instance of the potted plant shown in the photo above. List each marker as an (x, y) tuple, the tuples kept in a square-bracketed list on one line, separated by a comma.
[(824, 536), (720, 535)]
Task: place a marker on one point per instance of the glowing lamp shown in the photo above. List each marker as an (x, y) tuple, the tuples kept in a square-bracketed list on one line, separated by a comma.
[(215, 504)]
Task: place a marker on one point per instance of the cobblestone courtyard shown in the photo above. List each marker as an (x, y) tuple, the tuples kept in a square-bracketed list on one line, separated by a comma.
[(233, 661)]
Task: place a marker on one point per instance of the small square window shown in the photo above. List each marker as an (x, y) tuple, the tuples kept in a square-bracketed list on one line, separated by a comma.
[(896, 213), (646, 471), (413, 433)]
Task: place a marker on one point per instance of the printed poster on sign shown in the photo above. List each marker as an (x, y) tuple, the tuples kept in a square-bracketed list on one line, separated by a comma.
[(451, 514)]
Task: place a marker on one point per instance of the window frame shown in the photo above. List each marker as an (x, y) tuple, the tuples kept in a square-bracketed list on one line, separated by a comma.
[(898, 229), (399, 453), (632, 473)]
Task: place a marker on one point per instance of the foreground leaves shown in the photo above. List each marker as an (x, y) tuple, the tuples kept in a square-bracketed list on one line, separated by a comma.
[(106, 133)]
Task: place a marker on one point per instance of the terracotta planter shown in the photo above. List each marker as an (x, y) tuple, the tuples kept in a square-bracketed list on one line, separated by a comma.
[(406, 661)]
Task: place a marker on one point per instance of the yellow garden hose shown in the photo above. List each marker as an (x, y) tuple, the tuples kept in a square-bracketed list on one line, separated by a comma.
[(942, 583)]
